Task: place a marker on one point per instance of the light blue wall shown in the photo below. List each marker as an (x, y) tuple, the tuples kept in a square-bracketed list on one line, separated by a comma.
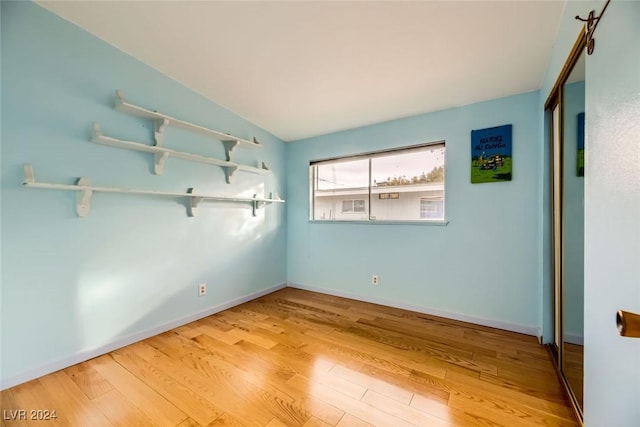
[(73, 285), (484, 265), (573, 218)]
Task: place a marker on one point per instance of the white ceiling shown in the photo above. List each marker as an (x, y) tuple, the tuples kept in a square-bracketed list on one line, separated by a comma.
[(300, 69)]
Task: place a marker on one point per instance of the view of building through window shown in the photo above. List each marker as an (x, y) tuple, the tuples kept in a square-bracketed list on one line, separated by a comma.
[(398, 185)]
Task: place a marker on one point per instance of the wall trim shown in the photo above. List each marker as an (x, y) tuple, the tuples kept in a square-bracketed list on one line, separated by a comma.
[(120, 342), (573, 339), (498, 324)]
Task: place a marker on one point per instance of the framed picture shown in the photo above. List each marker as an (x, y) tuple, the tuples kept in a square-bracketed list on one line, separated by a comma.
[(580, 155), (491, 154)]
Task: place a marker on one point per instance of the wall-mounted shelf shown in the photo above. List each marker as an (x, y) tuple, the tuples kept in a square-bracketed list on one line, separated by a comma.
[(161, 121), (85, 191), (161, 154)]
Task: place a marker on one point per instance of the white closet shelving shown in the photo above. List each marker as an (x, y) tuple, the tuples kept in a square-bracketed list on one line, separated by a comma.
[(161, 154), (161, 121), (85, 192)]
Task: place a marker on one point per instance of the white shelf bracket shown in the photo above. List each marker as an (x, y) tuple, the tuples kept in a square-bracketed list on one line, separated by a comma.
[(193, 203), (159, 126), (119, 99), (228, 172), (229, 145), (263, 166), (259, 204), (83, 197), (158, 160), (97, 131), (256, 205), (28, 174)]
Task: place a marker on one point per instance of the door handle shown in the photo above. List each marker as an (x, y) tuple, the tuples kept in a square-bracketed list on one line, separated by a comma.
[(628, 324)]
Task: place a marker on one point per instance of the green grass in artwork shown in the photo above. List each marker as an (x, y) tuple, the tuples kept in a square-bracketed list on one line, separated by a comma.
[(500, 173), (580, 169)]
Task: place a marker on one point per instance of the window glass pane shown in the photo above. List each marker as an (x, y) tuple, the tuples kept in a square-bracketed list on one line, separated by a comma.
[(343, 175), (398, 185), (335, 186), (410, 177)]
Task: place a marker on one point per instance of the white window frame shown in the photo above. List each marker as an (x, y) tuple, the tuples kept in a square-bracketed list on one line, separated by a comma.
[(369, 156)]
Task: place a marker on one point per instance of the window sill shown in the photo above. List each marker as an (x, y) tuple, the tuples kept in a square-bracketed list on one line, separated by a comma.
[(376, 222)]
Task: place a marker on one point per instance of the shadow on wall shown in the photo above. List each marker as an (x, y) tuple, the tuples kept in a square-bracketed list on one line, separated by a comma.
[(111, 287), (119, 294)]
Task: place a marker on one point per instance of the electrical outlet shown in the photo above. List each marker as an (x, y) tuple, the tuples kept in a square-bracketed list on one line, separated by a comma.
[(374, 280), (202, 289)]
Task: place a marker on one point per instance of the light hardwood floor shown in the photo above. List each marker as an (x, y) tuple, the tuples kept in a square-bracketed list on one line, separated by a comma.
[(298, 358)]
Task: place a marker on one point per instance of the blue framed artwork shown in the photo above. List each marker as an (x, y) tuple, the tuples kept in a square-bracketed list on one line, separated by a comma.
[(580, 159), (491, 159)]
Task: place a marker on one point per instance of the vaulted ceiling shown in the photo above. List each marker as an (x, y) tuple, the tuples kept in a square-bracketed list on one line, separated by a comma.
[(300, 69)]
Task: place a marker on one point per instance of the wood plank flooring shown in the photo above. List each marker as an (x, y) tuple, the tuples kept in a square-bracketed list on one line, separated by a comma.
[(298, 358)]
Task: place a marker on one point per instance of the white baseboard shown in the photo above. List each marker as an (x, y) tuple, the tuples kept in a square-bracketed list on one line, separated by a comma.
[(498, 324), (120, 342), (573, 339)]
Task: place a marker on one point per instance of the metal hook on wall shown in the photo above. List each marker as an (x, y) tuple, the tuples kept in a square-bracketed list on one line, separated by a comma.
[(592, 22)]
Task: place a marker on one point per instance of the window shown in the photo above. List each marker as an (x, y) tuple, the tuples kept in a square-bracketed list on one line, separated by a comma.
[(389, 196), (430, 208), (352, 206), (405, 184)]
